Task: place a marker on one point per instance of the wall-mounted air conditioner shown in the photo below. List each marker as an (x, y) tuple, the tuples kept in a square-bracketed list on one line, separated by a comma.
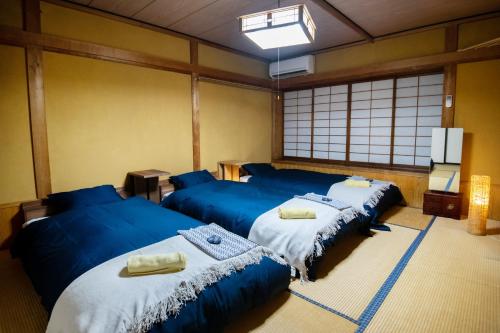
[(292, 67)]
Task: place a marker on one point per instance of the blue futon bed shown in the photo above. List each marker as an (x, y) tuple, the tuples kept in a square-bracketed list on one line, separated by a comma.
[(96, 228)]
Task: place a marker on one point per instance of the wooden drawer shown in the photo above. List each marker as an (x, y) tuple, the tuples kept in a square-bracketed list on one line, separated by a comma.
[(443, 204)]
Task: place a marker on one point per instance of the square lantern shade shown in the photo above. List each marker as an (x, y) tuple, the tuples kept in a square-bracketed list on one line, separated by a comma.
[(279, 27), (478, 205)]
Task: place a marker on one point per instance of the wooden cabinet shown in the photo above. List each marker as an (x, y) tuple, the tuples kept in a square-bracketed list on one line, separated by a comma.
[(445, 204), (230, 170)]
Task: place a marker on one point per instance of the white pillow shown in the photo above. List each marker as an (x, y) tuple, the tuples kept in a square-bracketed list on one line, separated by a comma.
[(27, 223)]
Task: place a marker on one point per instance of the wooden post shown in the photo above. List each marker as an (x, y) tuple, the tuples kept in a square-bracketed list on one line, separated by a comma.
[(450, 77), (36, 99), (195, 101), (277, 130)]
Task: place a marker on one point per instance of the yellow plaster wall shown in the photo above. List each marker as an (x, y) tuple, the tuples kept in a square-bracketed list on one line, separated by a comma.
[(477, 32), (11, 13)]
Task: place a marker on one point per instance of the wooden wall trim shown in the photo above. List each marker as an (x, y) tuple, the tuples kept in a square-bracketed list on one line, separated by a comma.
[(17, 37), (450, 77), (195, 102)]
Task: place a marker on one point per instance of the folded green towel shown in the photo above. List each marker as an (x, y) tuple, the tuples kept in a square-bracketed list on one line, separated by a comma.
[(296, 213), (156, 264), (357, 183)]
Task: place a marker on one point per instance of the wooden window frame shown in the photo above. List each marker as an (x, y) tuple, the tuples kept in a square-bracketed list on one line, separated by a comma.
[(348, 162)]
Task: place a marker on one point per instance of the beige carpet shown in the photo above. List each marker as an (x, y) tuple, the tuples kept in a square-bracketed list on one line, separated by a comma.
[(451, 284), (353, 270), (406, 217)]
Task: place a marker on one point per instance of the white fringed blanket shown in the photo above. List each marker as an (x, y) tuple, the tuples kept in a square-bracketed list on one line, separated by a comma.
[(359, 196), (299, 240), (106, 299)]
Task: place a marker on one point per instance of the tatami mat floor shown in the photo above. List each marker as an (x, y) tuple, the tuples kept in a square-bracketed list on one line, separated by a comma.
[(449, 282)]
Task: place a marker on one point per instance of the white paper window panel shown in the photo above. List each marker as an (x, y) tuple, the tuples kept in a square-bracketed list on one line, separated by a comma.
[(340, 106), (304, 101), (407, 82), (321, 131), (430, 110), (304, 116), (322, 99), (338, 98), (430, 100), (426, 80), (303, 146), (321, 139), (304, 131), (304, 138), (406, 112), (291, 145), (405, 121), (361, 96), (405, 160), (291, 124), (424, 131), (290, 116), (338, 115), (386, 93), (321, 107), (290, 94), (407, 92), (360, 122), (360, 140), (404, 150), (360, 105), (363, 114), (303, 153), (363, 86), (422, 161), (429, 121), (380, 131), (338, 139), (290, 109), (305, 93), (377, 122), (304, 108), (291, 102), (381, 103), (336, 156), (340, 89), (320, 154), (404, 140), (384, 150), (338, 131), (383, 84), (290, 138), (322, 123), (320, 146), (406, 101), (431, 90), (290, 152), (454, 145), (360, 131), (358, 157), (359, 148), (382, 113), (304, 124), (379, 158), (338, 123), (424, 141), (321, 91), (321, 115), (423, 151), (404, 131), (338, 148), (380, 140)]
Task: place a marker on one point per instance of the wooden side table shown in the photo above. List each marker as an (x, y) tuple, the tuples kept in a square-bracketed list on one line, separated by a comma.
[(445, 204), (145, 183), (230, 170)]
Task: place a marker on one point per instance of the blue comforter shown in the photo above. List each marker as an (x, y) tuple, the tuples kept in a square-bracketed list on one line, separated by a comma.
[(56, 251), (299, 182)]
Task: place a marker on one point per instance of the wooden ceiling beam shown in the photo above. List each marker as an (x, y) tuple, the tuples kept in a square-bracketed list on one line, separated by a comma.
[(396, 67), (343, 18)]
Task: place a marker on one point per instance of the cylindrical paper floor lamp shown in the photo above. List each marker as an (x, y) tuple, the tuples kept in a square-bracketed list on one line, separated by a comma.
[(478, 204)]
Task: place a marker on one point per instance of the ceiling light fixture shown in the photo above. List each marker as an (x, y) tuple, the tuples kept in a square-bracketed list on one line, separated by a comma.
[(279, 27)]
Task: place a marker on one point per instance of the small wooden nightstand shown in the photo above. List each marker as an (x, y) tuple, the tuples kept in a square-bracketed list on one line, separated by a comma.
[(445, 204), (230, 170), (145, 183)]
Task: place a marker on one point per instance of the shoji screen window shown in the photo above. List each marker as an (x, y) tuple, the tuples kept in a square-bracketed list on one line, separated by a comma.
[(418, 110), (330, 122), (371, 121), (297, 123)]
